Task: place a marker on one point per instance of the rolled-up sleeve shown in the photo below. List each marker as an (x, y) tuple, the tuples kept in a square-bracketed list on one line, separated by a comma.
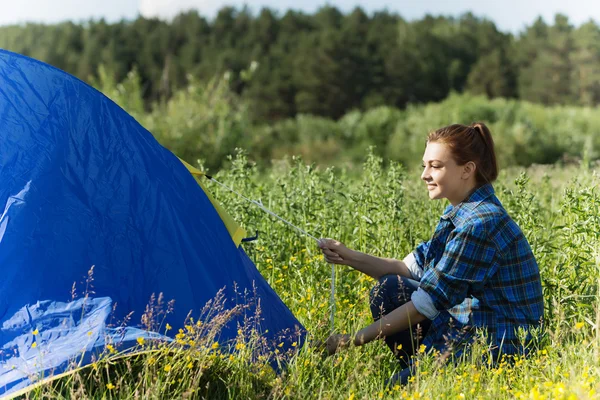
[(468, 261), (424, 304), (416, 271)]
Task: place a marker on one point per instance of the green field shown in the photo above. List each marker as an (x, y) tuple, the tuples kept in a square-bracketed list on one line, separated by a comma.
[(386, 212), (358, 181), (333, 131)]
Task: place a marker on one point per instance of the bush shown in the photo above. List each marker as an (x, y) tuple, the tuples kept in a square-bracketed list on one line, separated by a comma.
[(208, 121)]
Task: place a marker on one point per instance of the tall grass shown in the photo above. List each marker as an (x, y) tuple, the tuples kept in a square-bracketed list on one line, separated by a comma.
[(386, 212)]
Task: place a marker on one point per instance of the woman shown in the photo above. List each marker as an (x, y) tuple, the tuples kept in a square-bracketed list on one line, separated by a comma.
[(477, 271)]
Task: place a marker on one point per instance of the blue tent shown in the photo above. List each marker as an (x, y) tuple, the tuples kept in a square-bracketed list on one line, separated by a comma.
[(83, 184)]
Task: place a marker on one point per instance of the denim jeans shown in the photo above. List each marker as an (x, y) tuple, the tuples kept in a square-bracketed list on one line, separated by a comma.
[(391, 292)]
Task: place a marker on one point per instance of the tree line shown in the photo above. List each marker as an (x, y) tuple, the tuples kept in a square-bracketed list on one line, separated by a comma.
[(327, 63)]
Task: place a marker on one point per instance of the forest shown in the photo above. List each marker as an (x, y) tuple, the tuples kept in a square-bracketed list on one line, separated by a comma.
[(328, 63)]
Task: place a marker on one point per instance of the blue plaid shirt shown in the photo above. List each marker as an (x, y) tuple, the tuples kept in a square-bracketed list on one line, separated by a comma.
[(478, 271)]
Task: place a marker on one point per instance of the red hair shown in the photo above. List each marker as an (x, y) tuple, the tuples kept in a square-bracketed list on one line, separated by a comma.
[(470, 143)]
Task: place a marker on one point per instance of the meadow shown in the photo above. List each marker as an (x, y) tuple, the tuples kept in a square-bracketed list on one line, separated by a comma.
[(382, 210), (357, 180)]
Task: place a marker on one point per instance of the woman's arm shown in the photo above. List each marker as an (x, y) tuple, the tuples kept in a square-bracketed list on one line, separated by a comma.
[(376, 267), (396, 321)]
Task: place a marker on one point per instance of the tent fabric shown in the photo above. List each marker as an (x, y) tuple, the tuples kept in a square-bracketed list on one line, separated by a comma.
[(237, 232), (83, 184)]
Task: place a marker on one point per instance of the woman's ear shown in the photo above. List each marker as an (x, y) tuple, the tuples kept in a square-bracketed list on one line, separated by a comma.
[(469, 170)]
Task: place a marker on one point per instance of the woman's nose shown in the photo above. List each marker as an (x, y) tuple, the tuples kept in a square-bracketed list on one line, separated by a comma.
[(425, 174)]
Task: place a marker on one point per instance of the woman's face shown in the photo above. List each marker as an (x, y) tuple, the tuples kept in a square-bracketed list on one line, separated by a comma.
[(444, 178)]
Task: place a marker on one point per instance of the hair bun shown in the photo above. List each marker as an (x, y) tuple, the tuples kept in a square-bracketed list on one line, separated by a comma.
[(479, 127)]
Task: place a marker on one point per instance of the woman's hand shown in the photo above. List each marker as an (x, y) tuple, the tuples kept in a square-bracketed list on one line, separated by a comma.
[(337, 342), (336, 252)]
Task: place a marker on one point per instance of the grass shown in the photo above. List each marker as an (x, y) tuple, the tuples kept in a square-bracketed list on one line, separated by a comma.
[(383, 211)]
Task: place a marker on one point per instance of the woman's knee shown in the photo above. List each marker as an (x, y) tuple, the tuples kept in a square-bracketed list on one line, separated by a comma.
[(381, 288), (389, 293)]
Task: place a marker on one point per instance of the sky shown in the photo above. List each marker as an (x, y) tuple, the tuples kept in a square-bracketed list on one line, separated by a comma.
[(509, 15)]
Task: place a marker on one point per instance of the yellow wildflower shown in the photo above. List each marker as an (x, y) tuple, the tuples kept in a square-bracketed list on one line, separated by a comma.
[(34, 345), (168, 367), (110, 386), (141, 341), (579, 325), (215, 345), (35, 332)]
